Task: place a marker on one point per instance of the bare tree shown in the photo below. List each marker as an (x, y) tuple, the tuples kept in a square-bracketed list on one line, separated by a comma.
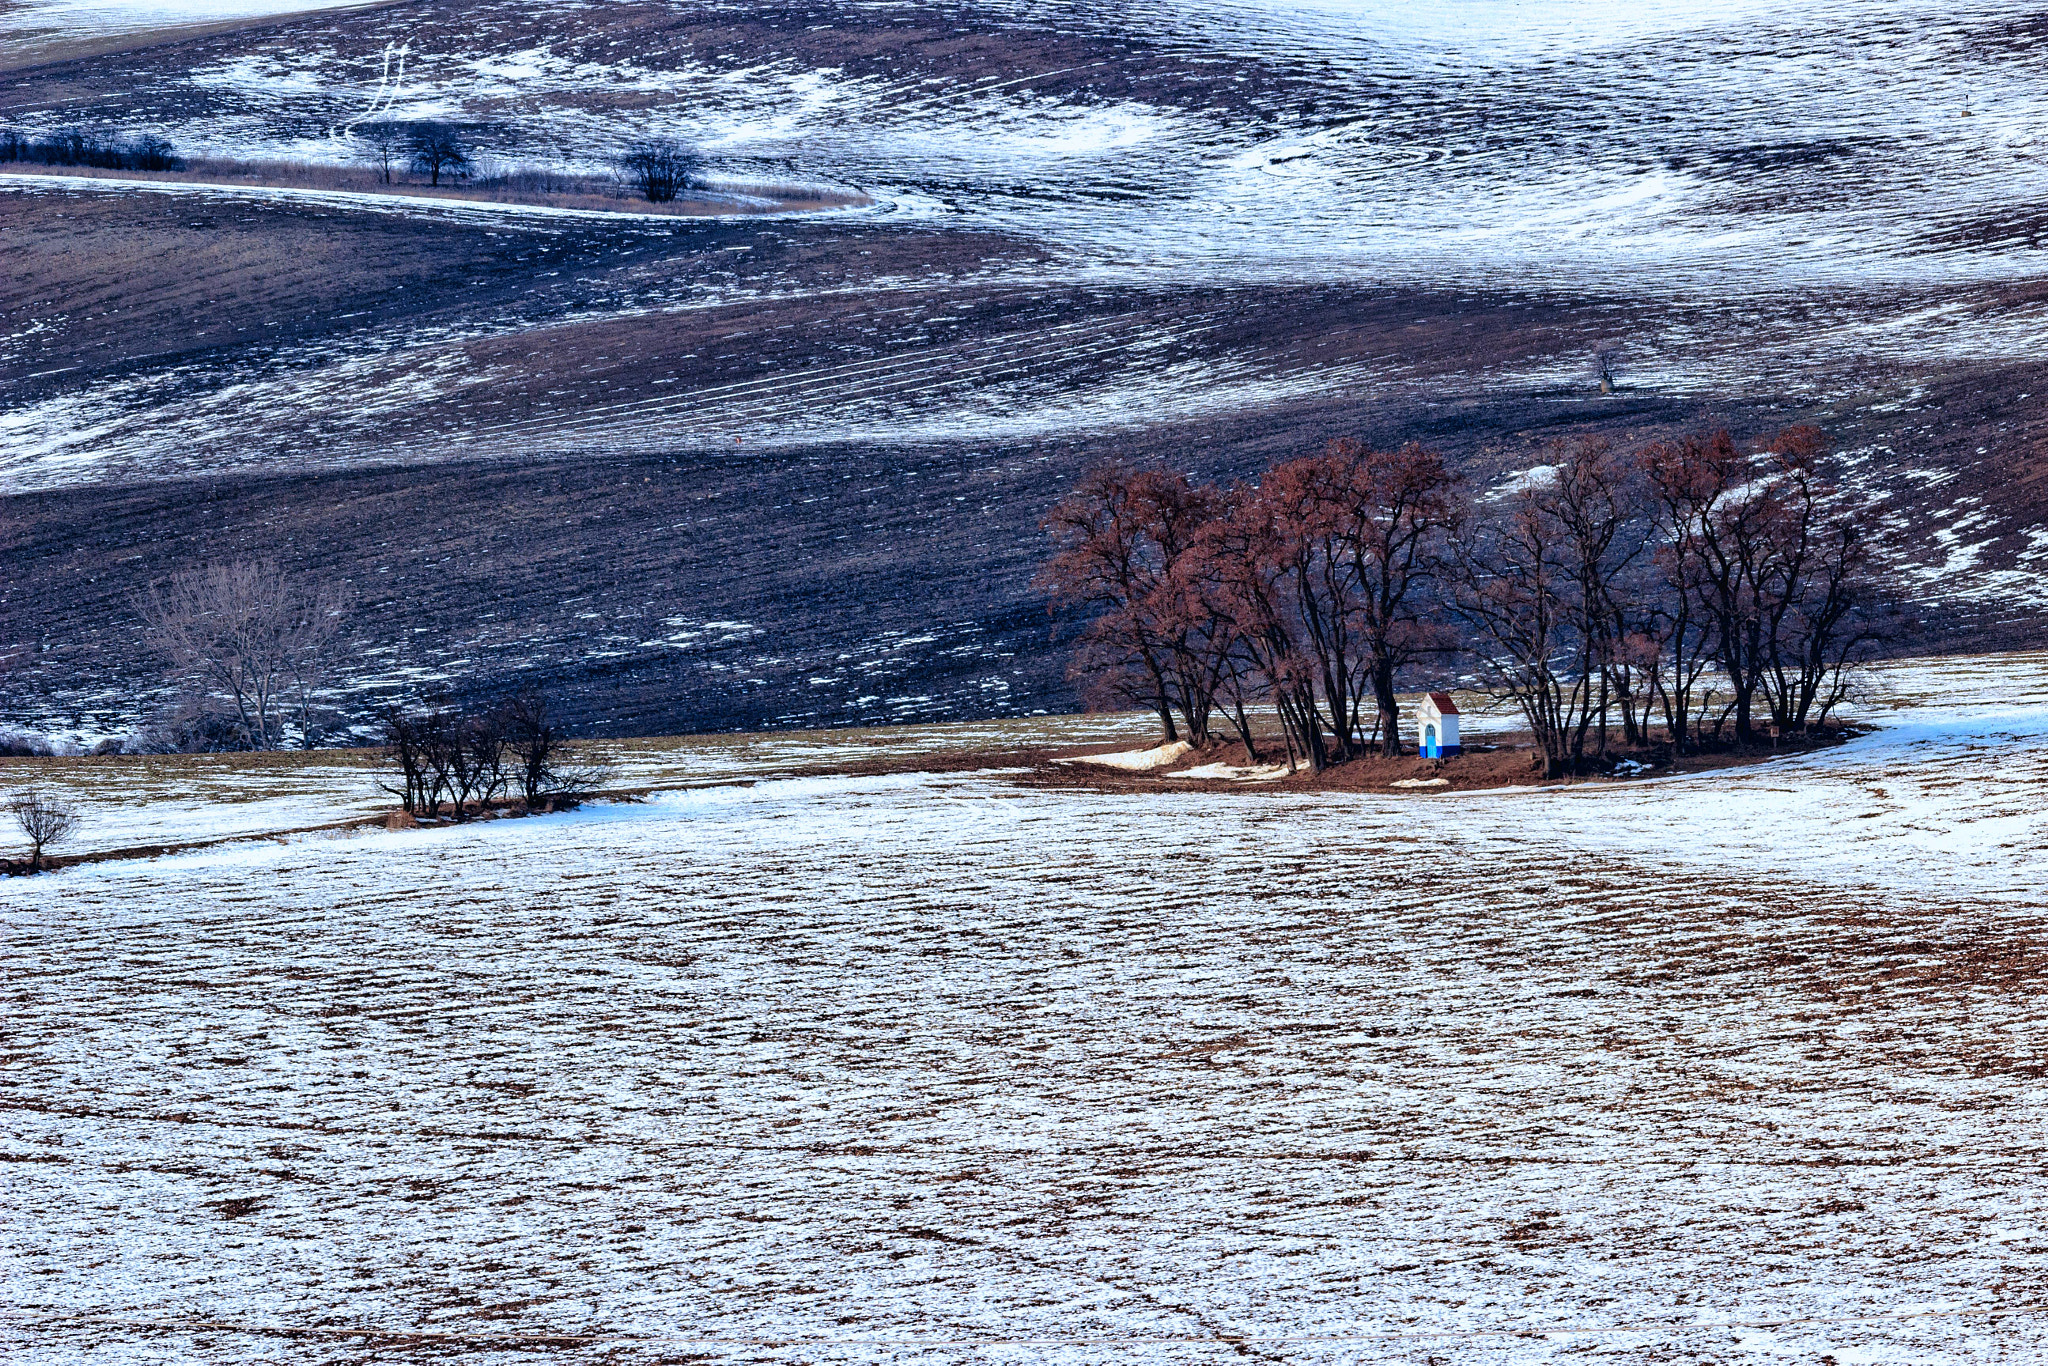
[(418, 742), (1302, 508), (1120, 536), (1514, 589), (476, 761), (1607, 359), (660, 167), (1818, 585), (1599, 504), (1251, 562), (1400, 506), (545, 768), (244, 632), (383, 142), (42, 820), (438, 150)]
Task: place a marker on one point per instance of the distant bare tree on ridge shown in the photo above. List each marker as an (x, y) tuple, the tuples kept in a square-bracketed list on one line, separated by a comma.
[(245, 632)]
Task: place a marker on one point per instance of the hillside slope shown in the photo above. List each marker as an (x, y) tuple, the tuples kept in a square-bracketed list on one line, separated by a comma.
[(551, 444)]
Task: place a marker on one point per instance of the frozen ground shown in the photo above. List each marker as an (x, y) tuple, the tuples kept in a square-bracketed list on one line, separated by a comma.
[(40, 29), (1744, 1067)]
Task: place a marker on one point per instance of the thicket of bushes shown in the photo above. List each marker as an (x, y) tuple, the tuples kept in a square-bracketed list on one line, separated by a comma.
[(84, 147), (461, 761)]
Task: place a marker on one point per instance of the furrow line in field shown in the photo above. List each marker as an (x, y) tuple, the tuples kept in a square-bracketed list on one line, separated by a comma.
[(802, 396), (973, 377), (861, 372)]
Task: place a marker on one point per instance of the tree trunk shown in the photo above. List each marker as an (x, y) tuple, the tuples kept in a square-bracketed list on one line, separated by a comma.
[(1390, 714), (1166, 727), (1244, 730)]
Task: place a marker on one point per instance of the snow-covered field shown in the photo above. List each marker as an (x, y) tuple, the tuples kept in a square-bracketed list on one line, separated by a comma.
[(1760, 200), (1668, 147), (1745, 1066), (28, 25)]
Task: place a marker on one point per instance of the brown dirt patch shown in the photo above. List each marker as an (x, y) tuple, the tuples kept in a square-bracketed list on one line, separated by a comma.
[(1511, 761)]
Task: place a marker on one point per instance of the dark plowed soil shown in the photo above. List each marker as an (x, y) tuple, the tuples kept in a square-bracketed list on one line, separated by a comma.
[(710, 475)]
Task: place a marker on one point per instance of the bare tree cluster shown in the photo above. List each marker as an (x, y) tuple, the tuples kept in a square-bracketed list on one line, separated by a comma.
[(1305, 592), (1772, 565), (250, 645), (660, 168), (1687, 584), (461, 762), (86, 147), (43, 820)]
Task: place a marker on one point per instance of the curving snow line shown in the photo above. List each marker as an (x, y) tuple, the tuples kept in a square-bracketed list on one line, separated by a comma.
[(493, 209), (387, 87)]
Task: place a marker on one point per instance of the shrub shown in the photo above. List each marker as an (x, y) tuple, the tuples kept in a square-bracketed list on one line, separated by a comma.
[(660, 167), (43, 820)]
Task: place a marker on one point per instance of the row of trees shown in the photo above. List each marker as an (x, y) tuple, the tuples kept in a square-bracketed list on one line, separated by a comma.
[(466, 760), (430, 148), (658, 168), (88, 147), (1694, 584)]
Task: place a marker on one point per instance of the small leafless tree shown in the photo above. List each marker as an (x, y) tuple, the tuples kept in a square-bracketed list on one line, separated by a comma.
[(418, 744), (545, 768), (1819, 588), (245, 632), (1515, 591), (383, 142), (43, 820), (476, 761), (660, 167), (438, 150), (1607, 360)]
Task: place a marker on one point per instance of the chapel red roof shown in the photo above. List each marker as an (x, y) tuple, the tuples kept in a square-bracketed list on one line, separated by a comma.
[(1444, 705)]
